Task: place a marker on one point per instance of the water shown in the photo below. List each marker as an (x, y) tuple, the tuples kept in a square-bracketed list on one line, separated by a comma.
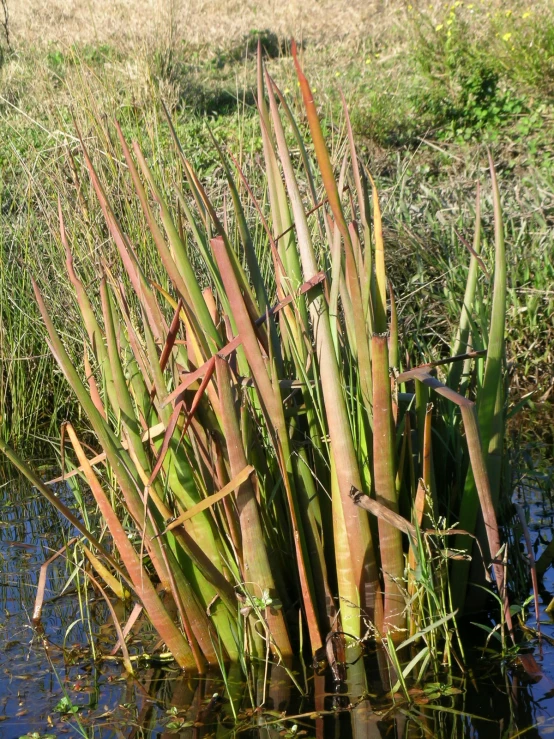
[(51, 685)]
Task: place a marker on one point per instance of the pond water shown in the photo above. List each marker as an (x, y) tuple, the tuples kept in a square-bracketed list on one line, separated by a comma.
[(51, 685)]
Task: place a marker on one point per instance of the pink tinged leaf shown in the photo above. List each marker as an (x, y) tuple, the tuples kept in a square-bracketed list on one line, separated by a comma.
[(179, 408)]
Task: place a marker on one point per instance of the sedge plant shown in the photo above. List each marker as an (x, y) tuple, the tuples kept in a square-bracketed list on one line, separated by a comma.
[(258, 429)]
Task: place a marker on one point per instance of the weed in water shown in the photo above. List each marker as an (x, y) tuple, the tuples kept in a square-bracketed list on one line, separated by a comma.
[(250, 403)]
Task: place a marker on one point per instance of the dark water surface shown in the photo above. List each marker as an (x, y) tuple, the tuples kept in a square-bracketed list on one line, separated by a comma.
[(54, 687)]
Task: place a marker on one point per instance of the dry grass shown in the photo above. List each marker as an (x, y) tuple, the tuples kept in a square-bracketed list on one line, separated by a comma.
[(40, 22), (127, 24)]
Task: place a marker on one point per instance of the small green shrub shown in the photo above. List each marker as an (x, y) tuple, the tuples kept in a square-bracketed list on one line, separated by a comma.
[(467, 93)]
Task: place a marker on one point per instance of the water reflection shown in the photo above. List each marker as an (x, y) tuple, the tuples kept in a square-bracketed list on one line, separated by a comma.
[(492, 699)]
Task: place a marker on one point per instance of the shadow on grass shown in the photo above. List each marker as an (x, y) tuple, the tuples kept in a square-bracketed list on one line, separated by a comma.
[(207, 85)]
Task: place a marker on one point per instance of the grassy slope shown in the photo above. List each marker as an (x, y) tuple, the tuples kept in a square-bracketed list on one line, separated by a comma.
[(429, 87)]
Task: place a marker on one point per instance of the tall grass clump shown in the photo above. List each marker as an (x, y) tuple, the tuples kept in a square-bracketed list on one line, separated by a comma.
[(272, 471), (31, 398)]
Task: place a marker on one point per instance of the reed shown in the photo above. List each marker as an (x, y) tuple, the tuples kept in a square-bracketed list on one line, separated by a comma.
[(256, 424)]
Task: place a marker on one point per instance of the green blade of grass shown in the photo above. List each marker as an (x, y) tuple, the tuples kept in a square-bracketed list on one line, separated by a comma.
[(487, 398), (462, 333), (357, 528), (384, 471), (257, 569), (273, 412), (132, 268), (331, 190), (179, 267)]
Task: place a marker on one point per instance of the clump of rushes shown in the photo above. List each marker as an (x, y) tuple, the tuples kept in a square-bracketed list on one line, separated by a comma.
[(263, 435)]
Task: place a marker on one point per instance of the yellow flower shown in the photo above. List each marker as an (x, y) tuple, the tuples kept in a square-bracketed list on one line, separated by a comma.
[(449, 21), (526, 14), (471, 5), (410, 7), (439, 27), (368, 61), (506, 37), (287, 91), (449, 34), (508, 13)]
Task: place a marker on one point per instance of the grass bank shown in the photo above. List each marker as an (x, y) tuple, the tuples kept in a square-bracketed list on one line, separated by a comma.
[(429, 87)]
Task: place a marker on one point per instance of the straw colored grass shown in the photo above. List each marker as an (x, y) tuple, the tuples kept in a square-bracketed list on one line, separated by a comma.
[(193, 21)]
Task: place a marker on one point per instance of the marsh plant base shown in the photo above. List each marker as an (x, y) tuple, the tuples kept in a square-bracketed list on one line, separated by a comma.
[(64, 691)]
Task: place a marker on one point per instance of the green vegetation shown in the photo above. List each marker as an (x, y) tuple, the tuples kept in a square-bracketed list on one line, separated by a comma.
[(249, 401), (233, 474), (423, 101)]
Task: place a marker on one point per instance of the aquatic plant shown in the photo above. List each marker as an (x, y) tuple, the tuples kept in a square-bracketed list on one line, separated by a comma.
[(267, 468)]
